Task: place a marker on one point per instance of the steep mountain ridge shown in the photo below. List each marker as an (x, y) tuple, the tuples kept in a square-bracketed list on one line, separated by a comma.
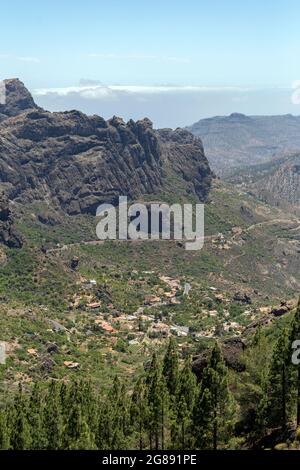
[(75, 162)]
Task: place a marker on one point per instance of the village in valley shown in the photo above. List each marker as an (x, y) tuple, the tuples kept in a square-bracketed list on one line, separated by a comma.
[(102, 307), (114, 318)]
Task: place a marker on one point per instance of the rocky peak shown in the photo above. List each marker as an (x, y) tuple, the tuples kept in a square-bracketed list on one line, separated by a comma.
[(239, 116), (17, 99)]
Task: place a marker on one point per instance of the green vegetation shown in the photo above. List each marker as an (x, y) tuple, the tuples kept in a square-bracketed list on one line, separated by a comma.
[(165, 407), (65, 334), (159, 414)]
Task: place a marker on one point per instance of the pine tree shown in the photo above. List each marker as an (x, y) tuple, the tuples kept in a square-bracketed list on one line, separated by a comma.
[(121, 423), (187, 385), (4, 431), (20, 435), (251, 384), (53, 417), (165, 407), (119, 415), (157, 397), (35, 419), (294, 336), (139, 410), (89, 404), (215, 407), (274, 406), (171, 367), (185, 400), (104, 432), (78, 434)]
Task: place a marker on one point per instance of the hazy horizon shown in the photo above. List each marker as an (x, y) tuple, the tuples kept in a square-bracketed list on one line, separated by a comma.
[(166, 106), (175, 63)]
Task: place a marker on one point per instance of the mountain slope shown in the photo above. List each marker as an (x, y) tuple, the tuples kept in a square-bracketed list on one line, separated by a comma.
[(237, 140), (276, 182)]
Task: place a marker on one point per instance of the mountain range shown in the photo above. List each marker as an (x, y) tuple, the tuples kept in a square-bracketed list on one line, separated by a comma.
[(238, 141)]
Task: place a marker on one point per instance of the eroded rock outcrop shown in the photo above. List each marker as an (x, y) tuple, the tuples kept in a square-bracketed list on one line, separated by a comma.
[(17, 99), (232, 350), (9, 235)]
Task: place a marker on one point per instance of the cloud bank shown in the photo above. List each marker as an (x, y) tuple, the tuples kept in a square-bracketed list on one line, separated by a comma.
[(165, 105)]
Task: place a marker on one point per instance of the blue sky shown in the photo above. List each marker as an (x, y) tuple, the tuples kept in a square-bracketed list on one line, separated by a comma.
[(242, 55)]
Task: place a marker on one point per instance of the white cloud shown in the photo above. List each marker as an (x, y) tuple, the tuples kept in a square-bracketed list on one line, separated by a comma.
[(111, 91), (88, 92), (170, 89), (165, 105)]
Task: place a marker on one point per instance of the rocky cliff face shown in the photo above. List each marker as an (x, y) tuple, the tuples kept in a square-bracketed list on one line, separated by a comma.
[(9, 236), (17, 99), (75, 162)]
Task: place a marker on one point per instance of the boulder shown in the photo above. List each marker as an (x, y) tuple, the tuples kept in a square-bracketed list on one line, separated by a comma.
[(52, 348), (47, 365), (17, 99), (9, 235), (242, 297), (232, 349), (74, 263)]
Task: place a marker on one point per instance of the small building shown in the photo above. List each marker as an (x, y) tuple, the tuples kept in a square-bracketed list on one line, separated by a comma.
[(105, 326), (32, 352), (180, 331), (94, 305), (71, 364)]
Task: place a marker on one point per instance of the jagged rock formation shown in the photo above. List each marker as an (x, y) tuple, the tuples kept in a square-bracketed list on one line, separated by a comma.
[(237, 141), (75, 162), (17, 99), (9, 236)]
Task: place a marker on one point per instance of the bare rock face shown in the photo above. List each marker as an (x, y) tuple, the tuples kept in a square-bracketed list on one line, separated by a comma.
[(9, 236), (76, 162), (74, 263), (18, 99), (232, 350), (242, 297)]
